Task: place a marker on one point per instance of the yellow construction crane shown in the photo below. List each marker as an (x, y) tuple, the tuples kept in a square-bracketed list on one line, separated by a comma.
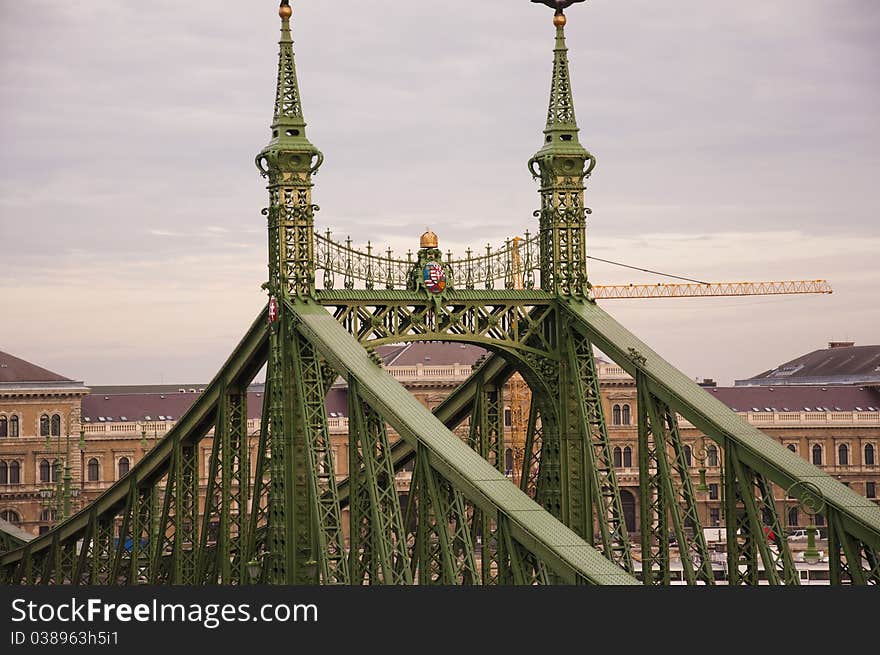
[(692, 289), (519, 394), (707, 289)]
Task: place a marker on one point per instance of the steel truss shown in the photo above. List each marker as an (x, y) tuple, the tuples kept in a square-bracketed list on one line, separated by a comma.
[(464, 522)]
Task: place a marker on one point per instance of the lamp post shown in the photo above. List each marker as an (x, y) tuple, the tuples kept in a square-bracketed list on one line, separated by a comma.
[(812, 502), (701, 454), (59, 497), (255, 568)]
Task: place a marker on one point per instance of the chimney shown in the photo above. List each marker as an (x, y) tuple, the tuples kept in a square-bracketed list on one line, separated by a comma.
[(841, 344)]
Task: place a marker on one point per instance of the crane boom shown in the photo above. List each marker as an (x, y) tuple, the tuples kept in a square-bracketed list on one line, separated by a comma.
[(615, 291)]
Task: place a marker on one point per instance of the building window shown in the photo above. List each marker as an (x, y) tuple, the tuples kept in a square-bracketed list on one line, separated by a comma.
[(819, 520), (793, 518), (625, 414), (56, 425), (869, 454), (124, 465), (817, 455), (56, 468), (48, 515), (45, 470), (508, 417), (4, 426), (14, 473), (44, 425), (627, 457), (4, 473), (712, 455), (713, 491), (44, 529), (871, 489), (843, 455), (615, 415), (13, 426), (618, 457), (792, 447), (94, 470), (10, 515), (688, 456), (714, 516)]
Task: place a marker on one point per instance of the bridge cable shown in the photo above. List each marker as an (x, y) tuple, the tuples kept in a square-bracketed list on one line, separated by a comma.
[(648, 270)]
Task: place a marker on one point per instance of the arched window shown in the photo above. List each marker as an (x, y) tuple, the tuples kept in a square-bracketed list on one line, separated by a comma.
[(45, 470), (94, 470), (817, 455), (712, 456), (869, 455), (56, 425), (618, 457), (44, 425), (13, 426), (625, 414), (843, 455), (688, 456), (793, 518), (4, 427), (10, 515), (627, 457), (4, 473), (56, 469), (14, 473), (124, 463), (792, 447), (615, 415)]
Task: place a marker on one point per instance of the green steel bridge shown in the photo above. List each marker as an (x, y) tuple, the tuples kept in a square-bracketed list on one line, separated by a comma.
[(464, 521)]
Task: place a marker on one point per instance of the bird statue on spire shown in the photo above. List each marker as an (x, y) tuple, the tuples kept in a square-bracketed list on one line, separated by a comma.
[(558, 5)]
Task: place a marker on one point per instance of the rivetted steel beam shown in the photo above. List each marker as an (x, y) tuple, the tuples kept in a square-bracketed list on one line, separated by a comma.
[(564, 552), (860, 516)]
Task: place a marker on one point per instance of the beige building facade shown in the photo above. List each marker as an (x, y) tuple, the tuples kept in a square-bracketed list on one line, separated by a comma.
[(121, 424)]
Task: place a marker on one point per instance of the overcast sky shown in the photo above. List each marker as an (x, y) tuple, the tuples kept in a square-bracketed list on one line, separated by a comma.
[(735, 141)]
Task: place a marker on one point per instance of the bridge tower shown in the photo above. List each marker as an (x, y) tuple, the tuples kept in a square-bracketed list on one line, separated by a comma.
[(562, 165), (278, 519)]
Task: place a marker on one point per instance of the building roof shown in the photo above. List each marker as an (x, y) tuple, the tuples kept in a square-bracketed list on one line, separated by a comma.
[(839, 364), (114, 389), (148, 406), (435, 353), (14, 369), (136, 406), (799, 398)]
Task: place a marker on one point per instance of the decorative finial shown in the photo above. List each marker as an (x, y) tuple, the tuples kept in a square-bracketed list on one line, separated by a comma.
[(428, 240), (559, 6), (285, 10)]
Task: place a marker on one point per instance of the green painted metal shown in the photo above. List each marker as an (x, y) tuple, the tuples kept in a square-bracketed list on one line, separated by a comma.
[(377, 550), (562, 165), (595, 444), (568, 555), (860, 516), (11, 536), (289, 519), (667, 494)]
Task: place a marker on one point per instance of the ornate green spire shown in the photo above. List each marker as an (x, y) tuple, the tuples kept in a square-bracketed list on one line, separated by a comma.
[(288, 124), (562, 165), (561, 132), (561, 122), (289, 161)]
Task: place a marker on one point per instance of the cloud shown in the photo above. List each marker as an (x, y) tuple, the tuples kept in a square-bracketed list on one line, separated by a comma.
[(732, 142)]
